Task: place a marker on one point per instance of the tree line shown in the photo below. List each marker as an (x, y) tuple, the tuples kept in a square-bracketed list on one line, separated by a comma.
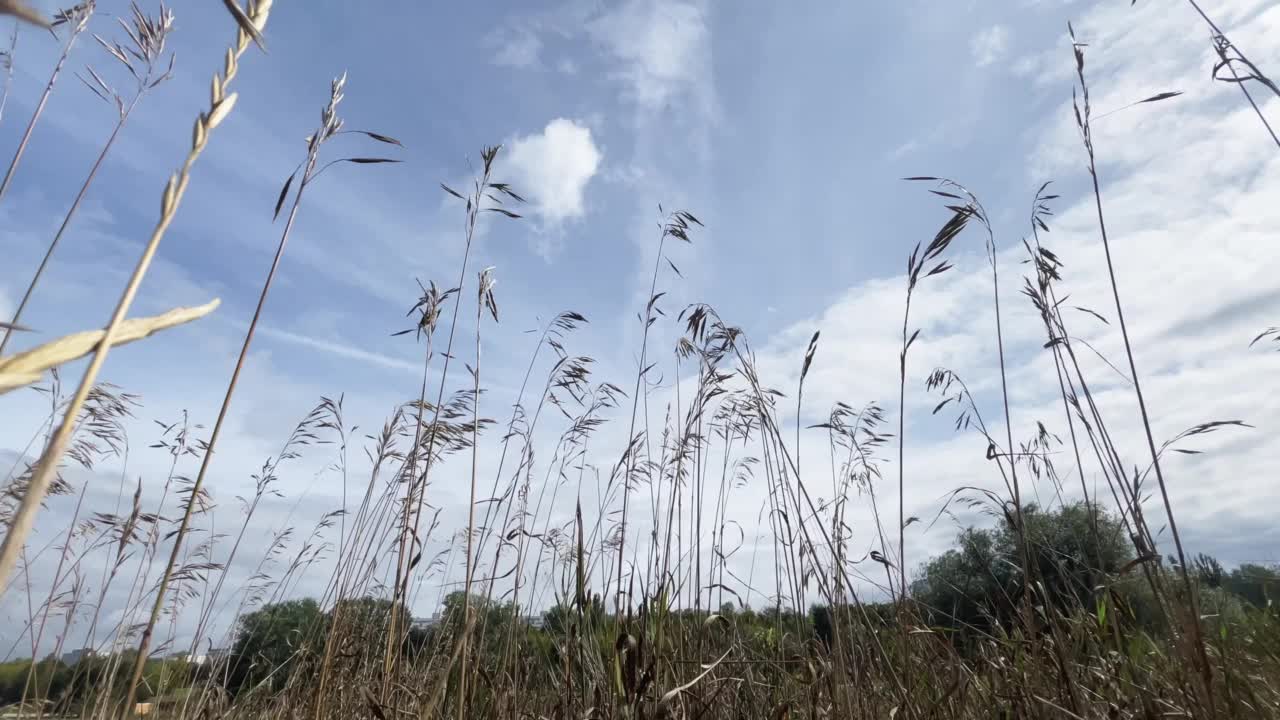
[(1082, 561)]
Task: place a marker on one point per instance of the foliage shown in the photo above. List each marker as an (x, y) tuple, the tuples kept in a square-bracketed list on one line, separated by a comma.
[(273, 637), (1256, 584), (72, 687), (978, 585)]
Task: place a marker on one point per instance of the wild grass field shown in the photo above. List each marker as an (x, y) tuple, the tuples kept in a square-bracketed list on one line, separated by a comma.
[(601, 574)]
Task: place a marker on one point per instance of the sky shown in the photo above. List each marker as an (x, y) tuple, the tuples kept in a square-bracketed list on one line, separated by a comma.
[(785, 128)]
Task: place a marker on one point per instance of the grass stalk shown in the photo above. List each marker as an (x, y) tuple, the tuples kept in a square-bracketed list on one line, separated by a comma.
[(331, 124), (220, 107), (1193, 620), (484, 300), (6, 62), (77, 18), (1229, 56), (147, 47)]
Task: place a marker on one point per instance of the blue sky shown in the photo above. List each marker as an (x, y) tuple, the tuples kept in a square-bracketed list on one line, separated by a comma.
[(784, 127)]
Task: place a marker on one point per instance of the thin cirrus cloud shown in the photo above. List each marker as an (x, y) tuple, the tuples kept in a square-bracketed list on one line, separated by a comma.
[(518, 48), (658, 44), (990, 45)]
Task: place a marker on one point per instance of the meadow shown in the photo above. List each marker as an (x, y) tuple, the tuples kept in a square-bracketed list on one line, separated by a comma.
[(594, 580)]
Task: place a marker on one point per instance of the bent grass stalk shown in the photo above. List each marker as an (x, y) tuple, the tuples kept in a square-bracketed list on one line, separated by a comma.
[(1229, 56)]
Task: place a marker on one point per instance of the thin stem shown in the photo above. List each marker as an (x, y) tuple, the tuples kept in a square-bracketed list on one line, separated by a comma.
[(1221, 45), (66, 220), (473, 212), (471, 507), (8, 69), (1222, 53), (1196, 631), (80, 25), (1050, 313), (24, 518), (392, 654), (196, 487), (902, 439), (631, 429), (1008, 428)]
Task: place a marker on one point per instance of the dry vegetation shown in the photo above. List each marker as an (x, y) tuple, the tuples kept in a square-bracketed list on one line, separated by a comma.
[(1064, 614)]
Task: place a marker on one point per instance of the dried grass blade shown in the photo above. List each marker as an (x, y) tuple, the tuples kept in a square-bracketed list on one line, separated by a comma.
[(18, 370), (22, 11)]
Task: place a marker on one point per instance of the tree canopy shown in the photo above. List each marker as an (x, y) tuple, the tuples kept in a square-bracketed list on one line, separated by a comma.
[(979, 583), (273, 637)]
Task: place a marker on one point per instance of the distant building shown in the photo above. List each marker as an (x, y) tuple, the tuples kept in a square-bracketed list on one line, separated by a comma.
[(214, 655), (75, 656), (425, 623), (193, 658)]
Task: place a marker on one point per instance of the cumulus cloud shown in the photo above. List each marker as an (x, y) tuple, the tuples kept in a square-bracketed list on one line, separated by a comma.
[(553, 168), (990, 45)]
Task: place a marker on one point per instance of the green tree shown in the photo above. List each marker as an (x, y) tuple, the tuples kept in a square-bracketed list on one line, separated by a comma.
[(1255, 584), (364, 624), (557, 619), (271, 640), (823, 628), (979, 583), (13, 677), (49, 681)]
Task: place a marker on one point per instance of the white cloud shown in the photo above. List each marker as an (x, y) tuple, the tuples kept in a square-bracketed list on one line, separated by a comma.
[(904, 149), (659, 51), (1188, 190), (663, 46), (990, 45), (1026, 66), (343, 350), (552, 168)]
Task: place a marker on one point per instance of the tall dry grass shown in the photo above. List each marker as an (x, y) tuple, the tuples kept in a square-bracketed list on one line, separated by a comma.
[(650, 615)]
